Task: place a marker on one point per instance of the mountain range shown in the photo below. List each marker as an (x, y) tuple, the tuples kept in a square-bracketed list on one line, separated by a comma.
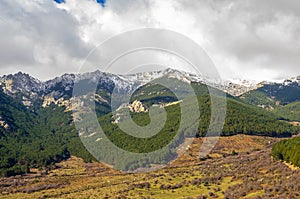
[(37, 129), (32, 89)]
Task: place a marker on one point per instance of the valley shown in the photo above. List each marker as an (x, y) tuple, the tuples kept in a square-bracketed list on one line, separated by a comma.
[(250, 172)]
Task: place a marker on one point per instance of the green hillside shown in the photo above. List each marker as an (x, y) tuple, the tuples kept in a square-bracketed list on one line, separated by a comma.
[(14, 114), (47, 135), (241, 118), (258, 98), (290, 111), (36, 139), (288, 150), (252, 120), (274, 94)]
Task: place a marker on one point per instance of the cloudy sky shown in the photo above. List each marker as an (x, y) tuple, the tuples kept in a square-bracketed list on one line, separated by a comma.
[(249, 39)]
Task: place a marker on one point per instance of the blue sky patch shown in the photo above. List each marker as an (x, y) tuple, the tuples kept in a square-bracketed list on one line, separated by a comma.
[(60, 1), (101, 2)]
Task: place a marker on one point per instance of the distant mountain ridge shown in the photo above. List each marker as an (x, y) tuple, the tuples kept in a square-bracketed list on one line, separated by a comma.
[(32, 88), (271, 95)]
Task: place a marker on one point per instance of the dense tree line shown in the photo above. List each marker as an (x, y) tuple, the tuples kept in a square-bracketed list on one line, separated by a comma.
[(288, 150)]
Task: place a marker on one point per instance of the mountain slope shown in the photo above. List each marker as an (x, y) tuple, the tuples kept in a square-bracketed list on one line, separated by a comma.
[(241, 118), (271, 95), (290, 111), (40, 122), (283, 99), (13, 114), (35, 139)]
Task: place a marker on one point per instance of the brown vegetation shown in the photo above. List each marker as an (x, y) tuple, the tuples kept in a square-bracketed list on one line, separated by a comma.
[(250, 172)]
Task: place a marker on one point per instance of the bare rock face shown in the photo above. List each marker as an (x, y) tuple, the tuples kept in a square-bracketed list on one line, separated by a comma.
[(4, 124), (137, 107), (48, 100)]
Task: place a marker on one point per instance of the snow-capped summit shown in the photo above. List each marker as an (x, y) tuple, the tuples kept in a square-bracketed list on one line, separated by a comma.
[(235, 88), (144, 77)]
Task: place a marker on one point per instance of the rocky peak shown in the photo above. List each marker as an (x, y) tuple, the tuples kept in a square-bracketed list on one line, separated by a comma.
[(21, 82)]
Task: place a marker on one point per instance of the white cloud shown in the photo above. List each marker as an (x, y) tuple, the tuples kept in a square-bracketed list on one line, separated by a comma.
[(38, 38), (250, 39)]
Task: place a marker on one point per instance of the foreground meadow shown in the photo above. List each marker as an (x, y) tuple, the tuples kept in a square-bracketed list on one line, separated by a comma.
[(239, 167)]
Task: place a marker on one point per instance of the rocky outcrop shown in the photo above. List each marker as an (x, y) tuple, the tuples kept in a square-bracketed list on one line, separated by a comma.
[(60, 102), (4, 124), (137, 107), (170, 104), (240, 87)]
